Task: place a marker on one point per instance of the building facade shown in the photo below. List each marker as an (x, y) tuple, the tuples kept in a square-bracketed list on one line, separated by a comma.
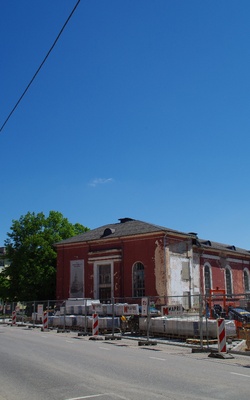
[(133, 259)]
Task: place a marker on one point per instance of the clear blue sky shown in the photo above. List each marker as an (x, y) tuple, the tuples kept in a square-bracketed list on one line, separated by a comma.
[(142, 110)]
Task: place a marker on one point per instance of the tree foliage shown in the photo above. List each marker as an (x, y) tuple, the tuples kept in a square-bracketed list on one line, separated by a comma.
[(30, 250), (4, 286)]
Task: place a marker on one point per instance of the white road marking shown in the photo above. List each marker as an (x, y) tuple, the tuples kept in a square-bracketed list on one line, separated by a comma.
[(116, 396), (158, 358), (88, 397), (69, 341), (235, 373), (104, 348)]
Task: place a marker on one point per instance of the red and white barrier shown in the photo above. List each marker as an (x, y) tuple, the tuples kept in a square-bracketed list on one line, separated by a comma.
[(45, 320), (13, 317), (222, 345), (95, 329)]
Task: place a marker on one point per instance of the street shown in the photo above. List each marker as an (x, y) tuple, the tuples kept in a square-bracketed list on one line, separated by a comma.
[(62, 366)]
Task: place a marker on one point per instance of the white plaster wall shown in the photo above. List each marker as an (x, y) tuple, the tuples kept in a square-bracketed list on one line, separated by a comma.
[(176, 286), (168, 271)]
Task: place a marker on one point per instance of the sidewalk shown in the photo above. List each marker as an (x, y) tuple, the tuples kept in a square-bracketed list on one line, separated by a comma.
[(236, 347)]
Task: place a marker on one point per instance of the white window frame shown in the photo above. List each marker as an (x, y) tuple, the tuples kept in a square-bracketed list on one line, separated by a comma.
[(133, 267), (246, 270), (204, 276)]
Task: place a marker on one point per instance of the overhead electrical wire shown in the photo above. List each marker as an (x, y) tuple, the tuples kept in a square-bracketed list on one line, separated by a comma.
[(39, 68)]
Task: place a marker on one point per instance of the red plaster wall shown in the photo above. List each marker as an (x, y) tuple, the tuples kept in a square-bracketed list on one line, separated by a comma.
[(143, 251), (64, 256), (218, 274), (133, 250)]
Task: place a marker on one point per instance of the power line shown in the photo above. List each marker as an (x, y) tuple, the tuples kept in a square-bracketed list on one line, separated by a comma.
[(39, 68)]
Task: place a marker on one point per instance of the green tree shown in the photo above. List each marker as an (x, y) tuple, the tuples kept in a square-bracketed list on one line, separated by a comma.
[(30, 250), (4, 286)]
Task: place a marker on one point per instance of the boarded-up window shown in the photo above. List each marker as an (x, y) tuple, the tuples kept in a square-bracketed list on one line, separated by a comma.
[(185, 274)]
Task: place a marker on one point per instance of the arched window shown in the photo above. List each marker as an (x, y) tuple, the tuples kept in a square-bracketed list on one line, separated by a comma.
[(207, 279), (246, 279), (138, 280), (228, 277)]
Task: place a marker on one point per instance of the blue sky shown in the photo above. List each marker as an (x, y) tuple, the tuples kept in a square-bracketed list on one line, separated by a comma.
[(141, 111)]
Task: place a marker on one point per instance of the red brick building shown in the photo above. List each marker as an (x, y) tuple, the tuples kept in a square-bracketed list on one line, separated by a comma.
[(135, 259)]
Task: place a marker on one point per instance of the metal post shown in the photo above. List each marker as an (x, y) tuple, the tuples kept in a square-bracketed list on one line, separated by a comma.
[(34, 314), (48, 313), (113, 316), (64, 317), (148, 319), (206, 321), (85, 316), (22, 313), (201, 322)]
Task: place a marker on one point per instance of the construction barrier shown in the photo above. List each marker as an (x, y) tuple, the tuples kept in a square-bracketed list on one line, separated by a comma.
[(13, 317), (45, 320), (222, 346), (95, 325)]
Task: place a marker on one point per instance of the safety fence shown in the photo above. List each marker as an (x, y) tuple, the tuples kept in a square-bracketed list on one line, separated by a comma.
[(183, 317)]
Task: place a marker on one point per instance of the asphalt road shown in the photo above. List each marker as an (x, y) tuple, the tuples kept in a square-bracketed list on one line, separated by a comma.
[(38, 365)]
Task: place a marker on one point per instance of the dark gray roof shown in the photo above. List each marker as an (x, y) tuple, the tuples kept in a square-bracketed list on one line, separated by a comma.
[(126, 227), (208, 244), (132, 227)]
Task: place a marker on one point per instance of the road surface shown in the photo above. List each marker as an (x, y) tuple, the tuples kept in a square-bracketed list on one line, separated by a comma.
[(38, 365)]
